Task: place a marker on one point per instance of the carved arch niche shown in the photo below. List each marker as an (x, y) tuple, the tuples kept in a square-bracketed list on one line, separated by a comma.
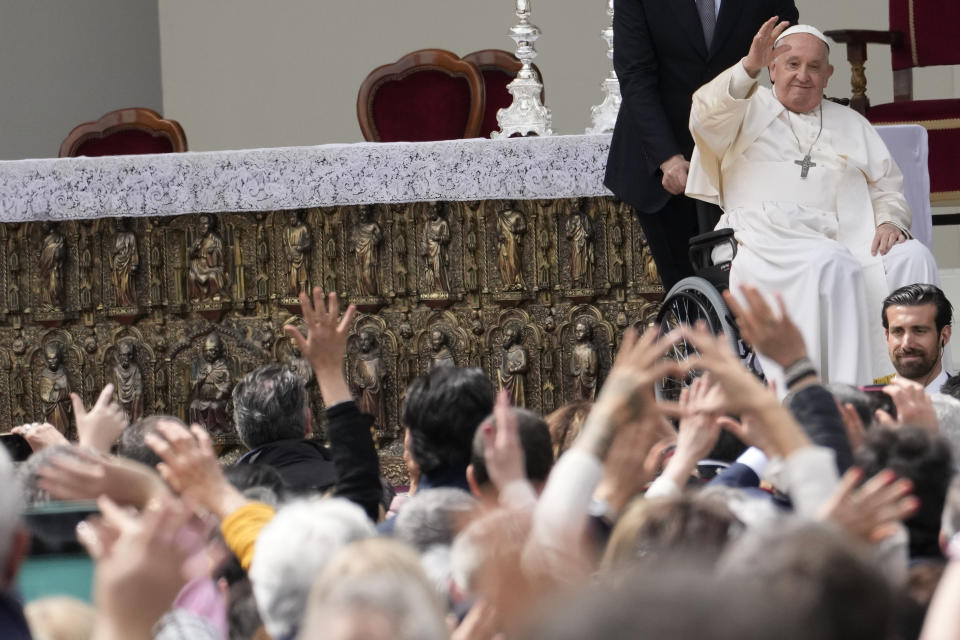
[(532, 342), (602, 339), (74, 365), (386, 350), (145, 359), (455, 339)]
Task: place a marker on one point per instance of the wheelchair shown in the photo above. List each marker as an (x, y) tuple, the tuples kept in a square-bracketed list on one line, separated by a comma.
[(699, 297)]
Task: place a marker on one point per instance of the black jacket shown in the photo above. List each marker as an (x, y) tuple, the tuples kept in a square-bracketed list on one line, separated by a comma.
[(661, 58)]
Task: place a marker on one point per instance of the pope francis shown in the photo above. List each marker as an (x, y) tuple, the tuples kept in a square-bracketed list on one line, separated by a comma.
[(814, 198)]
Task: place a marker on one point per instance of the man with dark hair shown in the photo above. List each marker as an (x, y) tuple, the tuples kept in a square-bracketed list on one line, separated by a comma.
[(924, 459), (273, 418), (442, 411), (537, 456), (916, 321)]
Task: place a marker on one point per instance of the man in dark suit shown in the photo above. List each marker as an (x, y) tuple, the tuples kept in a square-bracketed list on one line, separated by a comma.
[(664, 50)]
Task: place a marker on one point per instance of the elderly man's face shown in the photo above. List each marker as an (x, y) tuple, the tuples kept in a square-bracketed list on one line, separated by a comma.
[(914, 342), (801, 74)]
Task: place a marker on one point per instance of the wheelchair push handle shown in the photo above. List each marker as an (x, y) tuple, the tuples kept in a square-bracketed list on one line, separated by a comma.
[(702, 246)]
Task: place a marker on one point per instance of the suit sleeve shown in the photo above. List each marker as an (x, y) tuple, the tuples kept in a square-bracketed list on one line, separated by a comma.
[(354, 456), (786, 10), (637, 69)]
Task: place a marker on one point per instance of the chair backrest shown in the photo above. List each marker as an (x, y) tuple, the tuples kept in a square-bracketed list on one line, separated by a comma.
[(125, 131), (929, 28), (498, 67), (431, 94)]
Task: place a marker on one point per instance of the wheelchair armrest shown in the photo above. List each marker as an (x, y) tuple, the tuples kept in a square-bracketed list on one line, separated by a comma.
[(702, 245)]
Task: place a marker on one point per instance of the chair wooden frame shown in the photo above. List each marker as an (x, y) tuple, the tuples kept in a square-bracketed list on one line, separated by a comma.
[(500, 59), (413, 62), (857, 41), (138, 118)]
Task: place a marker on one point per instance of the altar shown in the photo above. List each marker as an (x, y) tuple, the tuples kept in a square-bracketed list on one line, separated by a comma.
[(170, 264)]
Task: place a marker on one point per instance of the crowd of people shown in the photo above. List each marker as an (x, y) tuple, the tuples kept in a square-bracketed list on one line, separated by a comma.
[(729, 513)]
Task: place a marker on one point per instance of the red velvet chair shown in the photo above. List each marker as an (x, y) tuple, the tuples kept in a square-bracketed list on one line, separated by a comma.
[(498, 67), (123, 132), (922, 34), (429, 94)]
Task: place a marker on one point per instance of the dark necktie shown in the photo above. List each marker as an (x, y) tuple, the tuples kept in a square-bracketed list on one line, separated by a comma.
[(708, 19)]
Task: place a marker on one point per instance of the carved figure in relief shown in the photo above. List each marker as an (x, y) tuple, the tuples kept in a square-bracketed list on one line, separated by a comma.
[(511, 227), (210, 403), (53, 254), (514, 366), (128, 380), (124, 262), (366, 243), (207, 277), (580, 234), (441, 355), (369, 372), (296, 246), (55, 388), (584, 363), (436, 240)]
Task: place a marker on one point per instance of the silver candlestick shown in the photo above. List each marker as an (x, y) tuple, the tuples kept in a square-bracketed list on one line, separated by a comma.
[(604, 115), (526, 115)]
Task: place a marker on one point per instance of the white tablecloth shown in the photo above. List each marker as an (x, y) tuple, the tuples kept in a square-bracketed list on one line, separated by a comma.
[(347, 174)]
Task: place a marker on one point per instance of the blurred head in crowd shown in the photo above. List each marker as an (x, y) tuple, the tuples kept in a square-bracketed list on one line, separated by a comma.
[(537, 454), (14, 539), (917, 319), (924, 459), (270, 404), (434, 517), (293, 548), (60, 618), (374, 590), (690, 524), (131, 444), (815, 574), (441, 410)]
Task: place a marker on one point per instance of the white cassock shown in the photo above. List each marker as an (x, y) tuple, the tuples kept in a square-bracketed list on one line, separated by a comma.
[(807, 238)]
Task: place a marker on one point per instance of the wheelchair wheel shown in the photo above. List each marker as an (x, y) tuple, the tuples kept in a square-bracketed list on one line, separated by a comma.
[(689, 301)]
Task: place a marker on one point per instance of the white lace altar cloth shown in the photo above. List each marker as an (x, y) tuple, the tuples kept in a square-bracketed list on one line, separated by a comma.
[(294, 177)]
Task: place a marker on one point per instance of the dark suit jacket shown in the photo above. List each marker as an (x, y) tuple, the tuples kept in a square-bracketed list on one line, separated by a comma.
[(661, 58)]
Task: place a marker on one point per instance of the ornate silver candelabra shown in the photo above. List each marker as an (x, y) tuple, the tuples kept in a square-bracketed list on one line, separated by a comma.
[(604, 115), (526, 114)]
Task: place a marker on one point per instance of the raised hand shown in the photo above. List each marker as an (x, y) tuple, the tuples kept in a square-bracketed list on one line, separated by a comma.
[(325, 343), (627, 396), (870, 512), (103, 424), (914, 406), (699, 428), (761, 52), (40, 435), (85, 475), (772, 334), (191, 469), (140, 564), (502, 451)]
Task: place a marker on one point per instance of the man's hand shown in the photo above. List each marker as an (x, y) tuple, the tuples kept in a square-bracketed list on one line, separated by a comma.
[(872, 511), (675, 171), (103, 424), (325, 344), (761, 52), (887, 235), (698, 431), (191, 469), (40, 435), (771, 334)]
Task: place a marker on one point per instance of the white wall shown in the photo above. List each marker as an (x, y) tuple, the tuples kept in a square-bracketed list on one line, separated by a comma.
[(249, 73), (63, 62)]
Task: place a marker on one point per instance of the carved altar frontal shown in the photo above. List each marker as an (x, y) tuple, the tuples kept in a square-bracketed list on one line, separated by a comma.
[(174, 309)]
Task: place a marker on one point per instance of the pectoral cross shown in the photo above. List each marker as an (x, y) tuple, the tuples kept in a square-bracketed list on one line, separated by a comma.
[(805, 164)]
